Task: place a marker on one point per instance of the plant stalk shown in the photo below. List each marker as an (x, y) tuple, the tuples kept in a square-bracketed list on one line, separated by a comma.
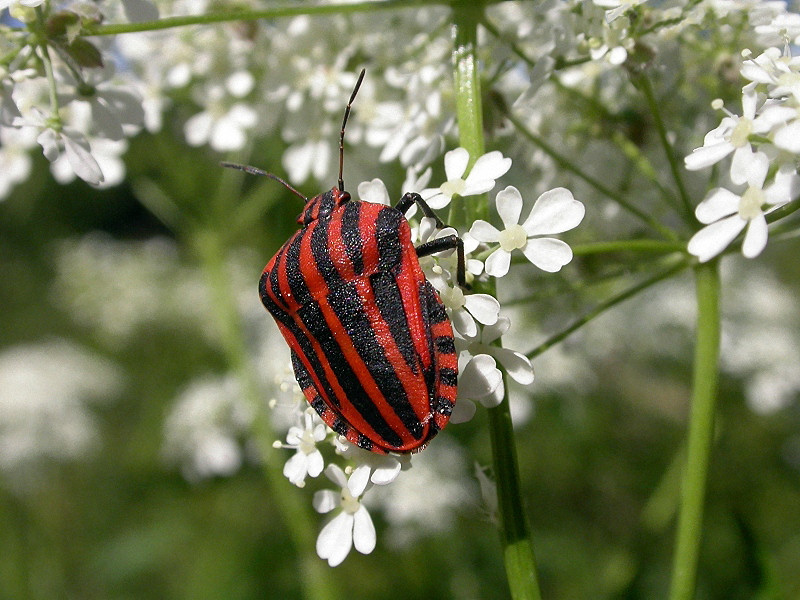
[(701, 433)]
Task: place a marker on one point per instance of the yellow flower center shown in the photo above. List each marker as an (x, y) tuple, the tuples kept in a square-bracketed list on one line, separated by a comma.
[(349, 503), (454, 187), (453, 298), (512, 238), (751, 203), (741, 133)]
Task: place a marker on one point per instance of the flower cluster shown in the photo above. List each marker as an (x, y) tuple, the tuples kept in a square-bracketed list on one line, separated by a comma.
[(478, 324), (763, 143)]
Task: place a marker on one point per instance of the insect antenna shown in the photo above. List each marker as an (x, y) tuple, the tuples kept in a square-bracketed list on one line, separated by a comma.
[(344, 122), (257, 171)]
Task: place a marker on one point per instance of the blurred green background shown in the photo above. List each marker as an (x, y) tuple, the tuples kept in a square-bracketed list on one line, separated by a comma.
[(108, 318)]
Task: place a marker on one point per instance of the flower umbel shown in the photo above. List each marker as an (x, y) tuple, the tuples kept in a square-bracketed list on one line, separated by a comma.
[(353, 525)]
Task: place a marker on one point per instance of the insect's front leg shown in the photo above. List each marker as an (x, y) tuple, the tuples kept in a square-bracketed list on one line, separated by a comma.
[(447, 242)]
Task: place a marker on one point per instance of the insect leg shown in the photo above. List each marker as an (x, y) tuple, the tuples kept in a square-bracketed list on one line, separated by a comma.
[(447, 242), (410, 198)]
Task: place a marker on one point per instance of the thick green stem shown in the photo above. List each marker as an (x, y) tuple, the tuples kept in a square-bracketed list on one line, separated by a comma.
[(701, 433), (518, 556)]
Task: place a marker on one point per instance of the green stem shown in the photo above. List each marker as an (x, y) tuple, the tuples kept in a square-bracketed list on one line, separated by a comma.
[(566, 164), (654, 246), (311, 571), (518, 556), (604, 306), (287, 10), (701, 433), (643, 83)]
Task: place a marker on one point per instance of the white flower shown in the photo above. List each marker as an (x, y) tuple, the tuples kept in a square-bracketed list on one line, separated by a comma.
[(373, 191), (224, 129), (555, 211), (479, 377), (481, 177), (466, 309), (353, 525), (75, 148), (304, 438), (731, 136), (727, 214)]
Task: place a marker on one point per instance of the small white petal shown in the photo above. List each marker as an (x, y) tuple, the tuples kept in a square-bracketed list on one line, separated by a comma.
[(495, 397), (325, 501), (463, 411), (516, 364), (336, 475), (788, 137), (509, 205), (363, 531), (755, 239), (315, 463), (785, 187), (555, 211), (497, 263), (484, 308), (386, 473), (295, 469), (713, 239), (492, 332), (358, 481), (455, 163), (718, 204), (82, 161), (705, 156), (197, 128), (480, 377), (373, 191), (749, 167), (336, 539), (549, 254), (464, 323), (484, 172), (484, 232)]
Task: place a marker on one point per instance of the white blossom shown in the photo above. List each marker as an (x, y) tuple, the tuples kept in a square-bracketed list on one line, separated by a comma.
[(555, 211), (727, 214), (307, 460), (352, 526), (480, 179)]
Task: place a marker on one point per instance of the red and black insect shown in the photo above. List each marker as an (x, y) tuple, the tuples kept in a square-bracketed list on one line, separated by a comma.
[(372, 346)]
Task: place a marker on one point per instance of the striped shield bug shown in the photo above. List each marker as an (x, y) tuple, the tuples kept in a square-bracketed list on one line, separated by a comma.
[(371, 343)]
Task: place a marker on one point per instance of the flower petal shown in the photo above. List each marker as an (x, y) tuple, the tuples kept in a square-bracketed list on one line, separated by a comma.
[(464, 323), (296, 468), (554, 211), (509, 205), (363, 531), (315, 463), (549, 254), (713, 239), (484, 172), (788, 137), (785, 186), (718, 204), (484, 308), (336, 539), (463, 411), (336, 475), (755, 239), (480, 377), (373, 191), (81, 160), (455, 163), (705, 156), (325, 501), (749, 167), (484, 232), (516, 364), (358, 481), (497, 263), (492, 332)]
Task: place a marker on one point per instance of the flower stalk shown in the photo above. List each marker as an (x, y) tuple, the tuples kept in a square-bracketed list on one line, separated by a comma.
[(520, 563), (701, 432)]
